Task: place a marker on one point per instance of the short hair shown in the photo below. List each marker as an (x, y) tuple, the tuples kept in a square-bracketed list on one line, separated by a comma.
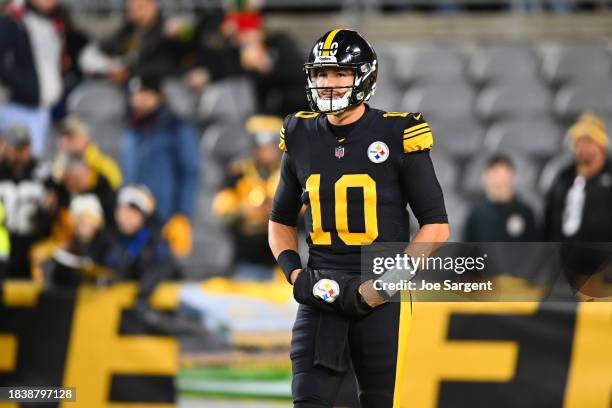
[(499, 158)]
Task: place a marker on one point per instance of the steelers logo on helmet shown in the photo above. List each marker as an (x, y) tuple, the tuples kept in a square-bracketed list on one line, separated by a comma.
[(346, 50), (378, 152), (326, 289)]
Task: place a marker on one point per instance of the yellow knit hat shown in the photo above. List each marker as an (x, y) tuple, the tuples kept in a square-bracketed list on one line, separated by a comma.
[(591, 126)]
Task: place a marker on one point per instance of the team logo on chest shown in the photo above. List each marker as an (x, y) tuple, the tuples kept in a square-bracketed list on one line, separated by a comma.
[(378, 152)]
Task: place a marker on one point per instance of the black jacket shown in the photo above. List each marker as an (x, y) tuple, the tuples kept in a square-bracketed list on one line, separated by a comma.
[(17, 68), (146, 53), (144, 257), (596, 223)]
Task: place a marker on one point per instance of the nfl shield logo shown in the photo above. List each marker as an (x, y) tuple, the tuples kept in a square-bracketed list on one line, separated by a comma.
[(339, 152)]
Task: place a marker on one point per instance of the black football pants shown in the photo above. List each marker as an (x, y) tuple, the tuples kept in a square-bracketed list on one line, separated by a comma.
[(374, 342)]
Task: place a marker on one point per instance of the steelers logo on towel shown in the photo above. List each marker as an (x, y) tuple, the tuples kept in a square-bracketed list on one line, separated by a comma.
[(378, 152), (326, 289)]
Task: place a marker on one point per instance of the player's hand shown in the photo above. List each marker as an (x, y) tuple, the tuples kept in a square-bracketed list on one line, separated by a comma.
[(370, 295), (294, 275), (331, 291)]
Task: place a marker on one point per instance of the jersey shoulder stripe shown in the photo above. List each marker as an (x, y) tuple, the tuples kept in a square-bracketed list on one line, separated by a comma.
[(291, 122), (414, 130)]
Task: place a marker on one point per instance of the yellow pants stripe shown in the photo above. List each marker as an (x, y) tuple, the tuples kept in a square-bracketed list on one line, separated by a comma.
[(402, 348)]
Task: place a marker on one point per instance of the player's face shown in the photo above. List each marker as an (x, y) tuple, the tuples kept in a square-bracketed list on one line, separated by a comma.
[(341, 79)]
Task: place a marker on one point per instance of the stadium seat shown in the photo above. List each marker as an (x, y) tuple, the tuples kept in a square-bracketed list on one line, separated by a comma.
[(446, 169), (225, 141), (534, 137), (430, 64), (229, 99), (457, 208), (388, 93), (574, 99), (107, 135), (212, 245), (576, 62), (513, 99), (534, 199), (503, 63), (525, 177), (181, 100), (551, 169), (440, 101), (97, 100), (461, 138)]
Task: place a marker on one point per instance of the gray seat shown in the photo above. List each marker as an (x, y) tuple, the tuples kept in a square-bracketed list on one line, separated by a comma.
[(457, 208), (551, 169), (574, 99), (212, 247), (224, 141), (107, 135), (227, 100), (440, 101), (577, 62), (388, 93), (460, 138), (529, 99), (534, 137), (524, 179), (430, 64), (534, 200), (446, 169), (181, 100), (97, 100), (503, 63)]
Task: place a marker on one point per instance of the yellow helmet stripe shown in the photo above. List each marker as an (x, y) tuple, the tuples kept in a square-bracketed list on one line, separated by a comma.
[(328, 41)]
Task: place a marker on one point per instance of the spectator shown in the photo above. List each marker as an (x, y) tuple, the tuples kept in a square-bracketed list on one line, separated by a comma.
[(579, 203), (30, 68), (137, 251), (21, 191), (245, 202), (272, 61), (75, 40), (71, 178), (208, 52), (75, 140), (76, 177), (80, 258), (500, 216), (160, 151), (139, 48)]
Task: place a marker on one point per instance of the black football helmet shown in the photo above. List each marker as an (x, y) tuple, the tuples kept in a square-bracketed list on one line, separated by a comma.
[(343, 49)]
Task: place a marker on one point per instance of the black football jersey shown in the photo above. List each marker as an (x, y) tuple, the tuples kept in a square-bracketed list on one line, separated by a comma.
[(356, 187)]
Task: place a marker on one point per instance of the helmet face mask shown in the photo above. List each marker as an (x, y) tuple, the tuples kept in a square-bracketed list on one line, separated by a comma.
[(342, 50)]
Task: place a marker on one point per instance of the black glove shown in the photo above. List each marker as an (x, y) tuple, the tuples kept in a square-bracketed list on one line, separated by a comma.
[(331, 291)]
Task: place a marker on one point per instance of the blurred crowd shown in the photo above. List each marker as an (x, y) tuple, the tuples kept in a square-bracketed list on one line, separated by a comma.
[(73, 212)]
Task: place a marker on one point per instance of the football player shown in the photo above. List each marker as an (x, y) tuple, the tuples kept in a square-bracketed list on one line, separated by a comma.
[(356, 169)]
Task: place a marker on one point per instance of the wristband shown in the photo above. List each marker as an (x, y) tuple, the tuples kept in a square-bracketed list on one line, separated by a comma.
[(289, 260), (394, 276)]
